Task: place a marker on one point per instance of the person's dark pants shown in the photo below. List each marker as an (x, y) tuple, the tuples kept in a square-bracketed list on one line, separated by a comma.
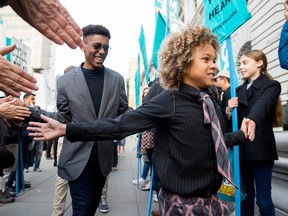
[(259, 174), (25, 153), (150, 156), (87, 188), (25, 161), (53, 142), (38, 149), (48, 148), (115, 154), (55, 146), (6, 160)]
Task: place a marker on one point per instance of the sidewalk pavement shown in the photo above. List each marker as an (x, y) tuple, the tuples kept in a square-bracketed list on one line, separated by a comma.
[(124, 199)]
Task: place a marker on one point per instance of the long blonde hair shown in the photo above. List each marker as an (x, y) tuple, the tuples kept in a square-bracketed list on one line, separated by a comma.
[(258, 55)]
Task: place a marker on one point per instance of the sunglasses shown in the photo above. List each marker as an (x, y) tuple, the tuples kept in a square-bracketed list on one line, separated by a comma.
[(99, 46)]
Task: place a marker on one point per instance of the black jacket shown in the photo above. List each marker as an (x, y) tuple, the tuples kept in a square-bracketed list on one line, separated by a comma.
[(259, 104), (184, 150)]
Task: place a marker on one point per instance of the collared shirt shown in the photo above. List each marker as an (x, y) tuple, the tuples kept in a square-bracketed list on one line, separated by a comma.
[(184, 151)]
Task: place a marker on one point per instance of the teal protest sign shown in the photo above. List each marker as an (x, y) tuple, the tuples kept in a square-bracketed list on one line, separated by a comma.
[(223, 17)]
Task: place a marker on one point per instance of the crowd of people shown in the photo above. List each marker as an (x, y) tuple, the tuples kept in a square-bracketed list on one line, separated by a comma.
[(182, 120), (52, 20)]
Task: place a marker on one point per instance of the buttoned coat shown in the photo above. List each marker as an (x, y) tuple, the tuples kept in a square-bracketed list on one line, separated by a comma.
[(75, 104), (259, 104)]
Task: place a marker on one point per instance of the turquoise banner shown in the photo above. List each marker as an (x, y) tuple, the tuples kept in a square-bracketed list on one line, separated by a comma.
[(224, 17), (168, 9), (137, 83), (142, 45), (8, 43), (159, 36)]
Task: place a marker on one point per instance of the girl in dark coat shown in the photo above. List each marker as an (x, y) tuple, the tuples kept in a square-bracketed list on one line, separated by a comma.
[(258, 101)]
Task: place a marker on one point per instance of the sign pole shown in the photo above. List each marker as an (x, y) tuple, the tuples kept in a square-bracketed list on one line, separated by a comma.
[(234, 84), (224, 18)]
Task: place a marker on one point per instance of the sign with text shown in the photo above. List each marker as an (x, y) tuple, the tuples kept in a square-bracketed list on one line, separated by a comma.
[(21, 55), (224, 17)]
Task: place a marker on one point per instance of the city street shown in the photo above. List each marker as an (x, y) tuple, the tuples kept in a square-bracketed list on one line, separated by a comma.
[(124, 199)]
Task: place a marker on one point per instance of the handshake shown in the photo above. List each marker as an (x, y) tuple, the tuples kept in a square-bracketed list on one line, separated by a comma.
[(248, 126)]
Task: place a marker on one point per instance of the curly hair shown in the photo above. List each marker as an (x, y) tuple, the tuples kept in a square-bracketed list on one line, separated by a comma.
[(95, 29), (176, 53)]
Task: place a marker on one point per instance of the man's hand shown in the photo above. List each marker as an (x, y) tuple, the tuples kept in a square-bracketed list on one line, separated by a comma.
[(51, 19), (46, 131), (11, 110), (13, 79)]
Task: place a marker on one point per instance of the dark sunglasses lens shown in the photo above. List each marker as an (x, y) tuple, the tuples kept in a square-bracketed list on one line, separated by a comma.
[(106, 48), (97, 46)]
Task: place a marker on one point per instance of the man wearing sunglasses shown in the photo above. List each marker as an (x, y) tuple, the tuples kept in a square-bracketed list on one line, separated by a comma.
[(85, 94)]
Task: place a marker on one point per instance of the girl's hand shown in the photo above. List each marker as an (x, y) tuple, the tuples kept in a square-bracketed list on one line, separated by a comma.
[(233, 102)]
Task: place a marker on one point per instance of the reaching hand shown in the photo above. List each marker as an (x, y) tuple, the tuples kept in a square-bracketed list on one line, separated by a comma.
[(19, 102), (51, 19), (46, 131), (13, 79), (11, 110), (6, 99)]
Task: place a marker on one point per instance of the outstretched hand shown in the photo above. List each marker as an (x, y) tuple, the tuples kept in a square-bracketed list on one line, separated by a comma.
[(50, 18), (13, 110), (13, 79), (46, 131)]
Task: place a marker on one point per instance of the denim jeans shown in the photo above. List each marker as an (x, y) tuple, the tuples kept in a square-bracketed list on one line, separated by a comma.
[(38, 153), (257, 177), (145, 171), (147, 164), (115, 154)]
